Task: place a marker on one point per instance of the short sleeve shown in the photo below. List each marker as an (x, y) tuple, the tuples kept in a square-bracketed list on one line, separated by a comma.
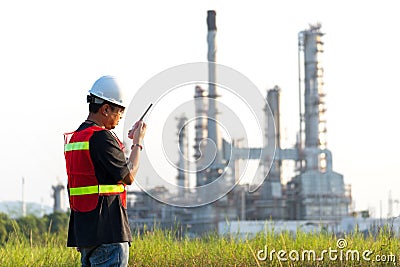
[(108, 159)]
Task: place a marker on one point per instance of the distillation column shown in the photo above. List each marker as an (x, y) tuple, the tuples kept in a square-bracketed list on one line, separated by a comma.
[(317, 192), (58, 195), (311, 44), (271, 203), (274, 137), (200, 102), (183, 156)]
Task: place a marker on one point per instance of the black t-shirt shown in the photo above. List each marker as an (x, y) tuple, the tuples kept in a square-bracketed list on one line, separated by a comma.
[(108, 223)]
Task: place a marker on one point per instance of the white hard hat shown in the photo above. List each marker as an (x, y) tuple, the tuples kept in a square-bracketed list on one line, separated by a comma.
[(107, 88)]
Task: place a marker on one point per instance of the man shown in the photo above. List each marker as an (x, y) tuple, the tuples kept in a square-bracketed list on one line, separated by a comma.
[(97, 175)]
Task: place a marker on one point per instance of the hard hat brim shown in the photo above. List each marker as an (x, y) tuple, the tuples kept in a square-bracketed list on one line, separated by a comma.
[(106, 100)]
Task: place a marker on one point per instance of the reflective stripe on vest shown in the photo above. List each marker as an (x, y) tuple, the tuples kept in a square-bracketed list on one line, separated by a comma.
[(94, 189), (76, 146)]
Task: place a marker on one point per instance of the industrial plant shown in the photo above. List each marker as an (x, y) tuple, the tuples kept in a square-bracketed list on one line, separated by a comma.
[(316, 193)]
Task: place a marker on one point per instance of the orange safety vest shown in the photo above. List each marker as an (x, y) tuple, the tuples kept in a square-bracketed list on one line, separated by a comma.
[(83, 187)]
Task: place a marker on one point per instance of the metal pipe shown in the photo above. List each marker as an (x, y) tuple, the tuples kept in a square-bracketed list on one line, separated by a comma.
[(300, 141), (328, 158)]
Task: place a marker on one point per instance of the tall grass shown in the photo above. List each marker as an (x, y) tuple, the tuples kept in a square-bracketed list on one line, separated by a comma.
[(167, 248), (47, 250)]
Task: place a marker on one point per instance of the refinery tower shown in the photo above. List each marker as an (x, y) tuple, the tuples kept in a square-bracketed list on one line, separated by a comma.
[(316, 192)]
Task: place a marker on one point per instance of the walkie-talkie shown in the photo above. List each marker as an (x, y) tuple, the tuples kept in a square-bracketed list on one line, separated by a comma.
[(144, 114)]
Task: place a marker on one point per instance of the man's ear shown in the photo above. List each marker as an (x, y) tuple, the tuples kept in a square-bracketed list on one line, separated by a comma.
[(104, 109)]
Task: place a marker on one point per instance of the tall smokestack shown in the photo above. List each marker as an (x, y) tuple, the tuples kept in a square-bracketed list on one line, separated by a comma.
[(213, 132)]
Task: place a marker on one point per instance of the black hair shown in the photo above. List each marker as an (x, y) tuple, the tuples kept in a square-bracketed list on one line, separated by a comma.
[(94, 107)]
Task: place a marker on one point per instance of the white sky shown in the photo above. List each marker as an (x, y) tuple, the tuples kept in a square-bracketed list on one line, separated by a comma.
[(52, 51)]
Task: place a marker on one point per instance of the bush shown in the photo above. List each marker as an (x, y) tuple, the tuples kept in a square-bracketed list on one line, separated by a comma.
[(33, 228)]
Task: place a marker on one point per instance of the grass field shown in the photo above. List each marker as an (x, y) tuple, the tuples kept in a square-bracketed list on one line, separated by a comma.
[(164, 248)]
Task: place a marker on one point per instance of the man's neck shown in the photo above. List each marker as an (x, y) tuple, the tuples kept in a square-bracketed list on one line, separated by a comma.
[(93, 118)]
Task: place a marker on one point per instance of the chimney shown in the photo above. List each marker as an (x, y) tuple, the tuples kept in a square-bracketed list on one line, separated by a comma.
[(213, 131)]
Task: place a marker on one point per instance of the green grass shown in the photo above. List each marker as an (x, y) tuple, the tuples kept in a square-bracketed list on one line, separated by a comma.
[(163, 248)]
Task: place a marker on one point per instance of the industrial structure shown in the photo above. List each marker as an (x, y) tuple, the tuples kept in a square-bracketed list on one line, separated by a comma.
[(59, 198), (315, 193)]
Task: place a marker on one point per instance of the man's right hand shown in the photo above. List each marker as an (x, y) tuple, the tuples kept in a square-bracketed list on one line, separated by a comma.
[(137, 132)]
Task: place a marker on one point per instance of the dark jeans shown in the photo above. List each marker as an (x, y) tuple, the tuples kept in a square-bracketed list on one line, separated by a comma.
[(115, 255)]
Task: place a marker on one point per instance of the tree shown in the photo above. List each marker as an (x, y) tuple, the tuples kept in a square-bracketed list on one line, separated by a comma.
[(57, 221), (6, 227), (3, 233), (31, 226)]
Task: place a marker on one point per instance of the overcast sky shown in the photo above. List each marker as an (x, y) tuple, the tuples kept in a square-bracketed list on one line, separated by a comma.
[(51, 52)]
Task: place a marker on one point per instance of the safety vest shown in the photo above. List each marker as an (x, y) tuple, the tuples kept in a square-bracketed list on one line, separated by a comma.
[(83, 187)]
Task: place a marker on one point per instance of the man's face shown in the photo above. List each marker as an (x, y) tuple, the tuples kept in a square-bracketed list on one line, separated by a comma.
[(114, 115)]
